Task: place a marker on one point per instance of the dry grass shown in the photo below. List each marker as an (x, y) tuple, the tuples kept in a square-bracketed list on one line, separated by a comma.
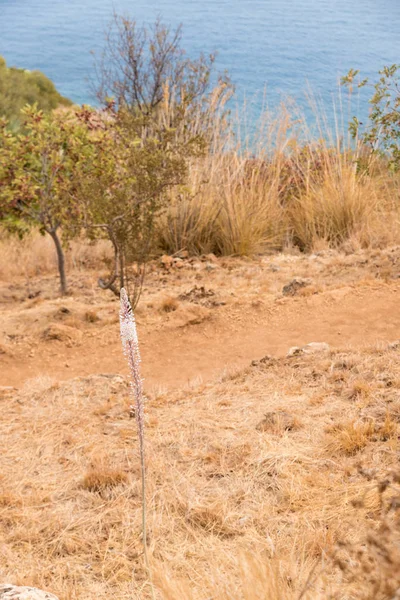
[(35, 255), (236, 511), (340, 208), (101, 478), (281, 190)]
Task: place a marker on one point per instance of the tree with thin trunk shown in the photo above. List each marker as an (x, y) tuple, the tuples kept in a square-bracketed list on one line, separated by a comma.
[(161, 107), (124, 189), (38, 177)]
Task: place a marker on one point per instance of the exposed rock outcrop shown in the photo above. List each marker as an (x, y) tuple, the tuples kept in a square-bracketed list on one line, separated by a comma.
[(14, 592)]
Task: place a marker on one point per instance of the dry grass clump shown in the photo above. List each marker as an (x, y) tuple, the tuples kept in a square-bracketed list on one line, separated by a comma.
[(376, 559), (352, 436), (343, 206), (100, 478), (236, 512), (91, 316), (284, 189), (232, 207), (169, 304)]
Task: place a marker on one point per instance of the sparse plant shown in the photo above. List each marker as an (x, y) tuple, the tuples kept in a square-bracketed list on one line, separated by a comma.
[(169, 304), (371, 566), (130, 345), (145, 70), (381, 135)]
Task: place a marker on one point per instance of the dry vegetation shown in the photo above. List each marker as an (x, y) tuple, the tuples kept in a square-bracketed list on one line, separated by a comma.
[(281, 190), (276, 479), (269, 476), (234, 506)]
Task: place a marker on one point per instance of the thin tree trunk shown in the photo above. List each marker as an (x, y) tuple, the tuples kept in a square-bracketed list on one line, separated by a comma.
[(121, 270), (60, 260)]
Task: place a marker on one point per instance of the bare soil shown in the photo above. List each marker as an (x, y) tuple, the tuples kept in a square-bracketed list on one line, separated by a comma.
[(349, 301)]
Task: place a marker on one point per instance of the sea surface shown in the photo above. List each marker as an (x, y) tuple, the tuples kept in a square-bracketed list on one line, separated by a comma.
[(272, 48)]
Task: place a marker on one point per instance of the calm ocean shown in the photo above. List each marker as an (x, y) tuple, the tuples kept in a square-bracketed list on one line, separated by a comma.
[(281, 46)]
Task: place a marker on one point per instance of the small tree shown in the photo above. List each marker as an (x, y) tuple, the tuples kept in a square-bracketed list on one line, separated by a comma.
[(38, 176), (164, 108), (381, 135), (124, 188)]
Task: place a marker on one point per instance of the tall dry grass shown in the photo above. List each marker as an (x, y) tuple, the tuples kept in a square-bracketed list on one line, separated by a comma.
[(288, 186)]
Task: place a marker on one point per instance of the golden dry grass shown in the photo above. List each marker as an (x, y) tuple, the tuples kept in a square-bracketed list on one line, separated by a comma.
[(35, 255), (284, 188), (237, 511)]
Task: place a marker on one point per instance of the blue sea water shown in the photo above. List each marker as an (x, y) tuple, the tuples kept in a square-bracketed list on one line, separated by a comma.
[(271, 48)]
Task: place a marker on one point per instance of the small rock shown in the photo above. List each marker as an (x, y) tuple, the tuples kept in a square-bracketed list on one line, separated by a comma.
[(13, 592), (210, 266), (196, 266), (167, 261), (7, 389), (278, 421), (292, 288), (196, 294), (265, 360), (316, 347), (274, 268), (311, 348), (33, 295), (394, 345), (294, 351), (62, 312), (211, 258)]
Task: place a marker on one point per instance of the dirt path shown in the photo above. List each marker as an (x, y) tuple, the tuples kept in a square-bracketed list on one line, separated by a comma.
[(173, 356)]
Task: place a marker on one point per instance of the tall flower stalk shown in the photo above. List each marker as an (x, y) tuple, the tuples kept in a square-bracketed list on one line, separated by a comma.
[(130, 345)]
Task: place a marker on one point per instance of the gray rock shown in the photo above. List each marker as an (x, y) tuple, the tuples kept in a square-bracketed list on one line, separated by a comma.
[(13, 592), (315, 347), (311, 348), (211, 266), (292, 288), (274, 268)]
